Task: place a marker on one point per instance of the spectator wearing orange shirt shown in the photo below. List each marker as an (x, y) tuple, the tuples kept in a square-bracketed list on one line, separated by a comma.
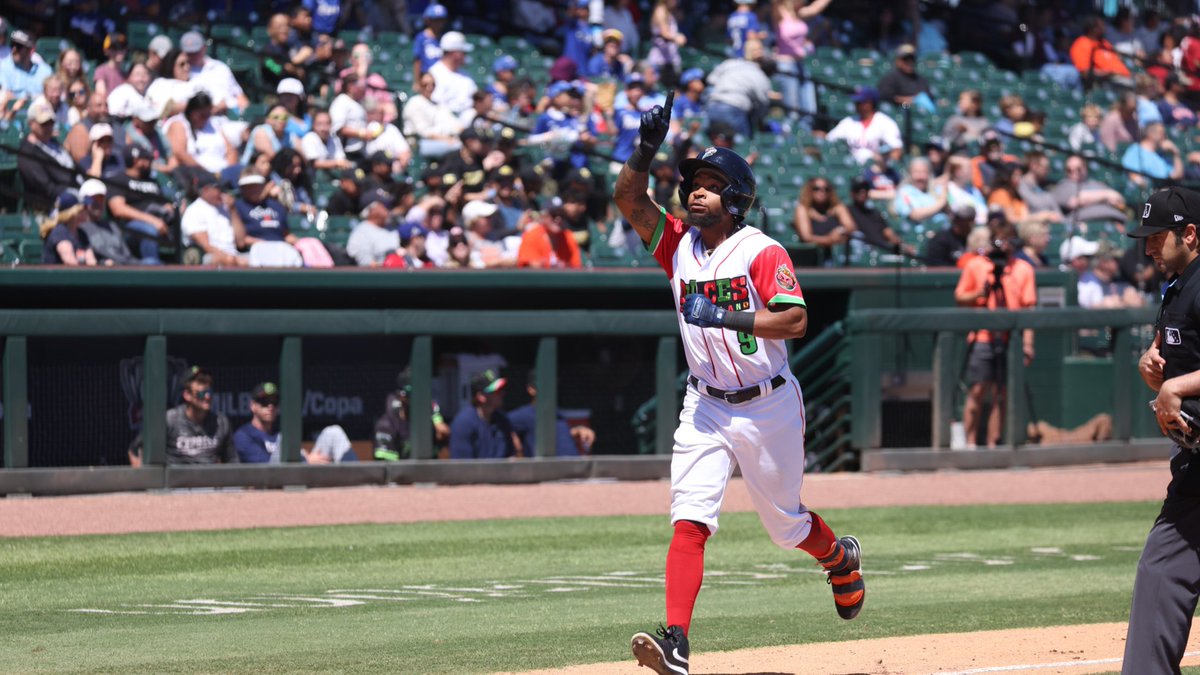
[(548, 243), (1094, 56), (998, 279)]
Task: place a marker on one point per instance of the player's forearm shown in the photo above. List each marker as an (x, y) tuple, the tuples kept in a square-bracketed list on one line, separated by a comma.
[(1183, 386), (779, 325), (630, 195)]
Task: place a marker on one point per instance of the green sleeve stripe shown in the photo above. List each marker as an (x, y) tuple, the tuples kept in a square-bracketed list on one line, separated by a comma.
[(787, 300), (658, 230)]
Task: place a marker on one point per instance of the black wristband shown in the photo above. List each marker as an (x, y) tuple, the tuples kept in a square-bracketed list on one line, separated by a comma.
[(641, 158), (742, 322)]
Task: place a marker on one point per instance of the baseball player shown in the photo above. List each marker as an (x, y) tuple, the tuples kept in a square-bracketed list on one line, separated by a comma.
[(739, 300)]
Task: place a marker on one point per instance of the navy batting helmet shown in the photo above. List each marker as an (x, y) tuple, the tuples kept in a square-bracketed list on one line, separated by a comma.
[(738, 196)]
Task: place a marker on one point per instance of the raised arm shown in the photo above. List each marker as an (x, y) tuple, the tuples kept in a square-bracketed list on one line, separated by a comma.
[(630, 192)]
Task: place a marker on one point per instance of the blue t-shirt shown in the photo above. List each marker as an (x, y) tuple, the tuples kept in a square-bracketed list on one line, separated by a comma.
[(60, 233), (499, 96), (266, 221), (473, 438), (524, 422), (739, 24), (255, 446), (627, 122), (577, 42), (685, 107), (598, 66), (1137, 158), (23, 83), (556, 119), (325, 14), (881, 180), (427, 49)]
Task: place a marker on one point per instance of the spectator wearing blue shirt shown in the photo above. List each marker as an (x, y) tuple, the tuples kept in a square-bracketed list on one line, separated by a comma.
[(257, 217), (21, 76), (628, 119), (1148, 158), (609, 62), (577, 35), (481, 430), (325, 15), (743, 25), (689, 103), (569, 441), (257, 441), (504, 69), (427, 48), (563, 130)]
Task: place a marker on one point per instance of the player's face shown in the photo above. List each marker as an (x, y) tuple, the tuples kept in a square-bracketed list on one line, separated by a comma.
[(199, 396), (704, 201)]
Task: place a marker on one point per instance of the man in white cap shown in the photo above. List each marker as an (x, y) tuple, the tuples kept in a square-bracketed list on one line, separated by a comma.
[(373, 239), (207, 225), (45, 166), (212, 75), (1076, 253), (79, 141), (102, 160), (451, 87), (159, 47)]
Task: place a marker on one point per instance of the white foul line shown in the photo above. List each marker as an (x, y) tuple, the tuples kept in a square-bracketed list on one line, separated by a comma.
[(1042, 666)]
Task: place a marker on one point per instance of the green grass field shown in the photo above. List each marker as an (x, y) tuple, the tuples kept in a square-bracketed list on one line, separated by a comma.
[(470, 597)]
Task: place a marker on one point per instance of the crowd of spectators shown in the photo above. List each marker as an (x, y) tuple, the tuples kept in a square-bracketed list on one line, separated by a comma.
[(161, 154)]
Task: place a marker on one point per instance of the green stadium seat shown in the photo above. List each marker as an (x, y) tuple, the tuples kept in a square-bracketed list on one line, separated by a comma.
[(50, 47), (140, 33)]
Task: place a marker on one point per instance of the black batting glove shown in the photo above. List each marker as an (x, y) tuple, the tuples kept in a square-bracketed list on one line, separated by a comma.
[(651, 134)]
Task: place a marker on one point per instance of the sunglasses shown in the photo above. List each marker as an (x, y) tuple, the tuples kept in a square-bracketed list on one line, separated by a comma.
[(267, 402), (79, 92), (202, 393), (820, 188), (277, 118)]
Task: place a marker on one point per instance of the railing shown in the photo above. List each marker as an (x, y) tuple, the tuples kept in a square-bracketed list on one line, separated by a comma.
[(292, 326), (823, 369), (869, 328)]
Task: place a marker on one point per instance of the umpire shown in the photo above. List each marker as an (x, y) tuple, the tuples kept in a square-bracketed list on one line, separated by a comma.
[(1168, 575)]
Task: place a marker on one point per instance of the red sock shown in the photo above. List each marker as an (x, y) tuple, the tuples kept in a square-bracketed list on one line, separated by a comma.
[(685, 571), (820, 540)]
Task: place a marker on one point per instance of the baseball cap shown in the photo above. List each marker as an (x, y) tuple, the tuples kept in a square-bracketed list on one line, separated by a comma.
[(20, 37), (40, 111), (581, 4), (487, 382), (965, 212), (1077, 247), (92, 188), (1168, 209), (560, 87), (691, 75), (936, 142), (863, 94), (477, 209), (379, 157), (454, 41), (265, 392), (409, 230), (504, 62), (205, 179), (191, 42), (100, 130), (635, 79), (136, 151), (860, 183), (66, 200), (434, 12), (612, 34), (115, 41), (906, 51), (147, 112), (989, 136), (351, 174), (290, 85), (161, 45), (251, 179)]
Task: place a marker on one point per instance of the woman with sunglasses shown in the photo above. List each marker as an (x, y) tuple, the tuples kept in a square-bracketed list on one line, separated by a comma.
[(272, 135), (170, 91), (77, 97), (821, 218)]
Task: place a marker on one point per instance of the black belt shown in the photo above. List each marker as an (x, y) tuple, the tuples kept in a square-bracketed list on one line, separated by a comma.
[(735, 395)]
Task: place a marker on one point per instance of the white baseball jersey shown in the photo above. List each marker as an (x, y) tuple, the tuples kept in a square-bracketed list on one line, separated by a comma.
[(748, 271), (763, 435)]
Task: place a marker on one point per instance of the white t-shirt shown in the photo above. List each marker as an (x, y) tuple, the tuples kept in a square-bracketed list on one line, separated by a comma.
[(206, 144), (124, 101), (166, 90), (424, 118), (454, 90), (391, 143), (200, 216), (316, 149), (863, 140), (346, 113), (217, 79)]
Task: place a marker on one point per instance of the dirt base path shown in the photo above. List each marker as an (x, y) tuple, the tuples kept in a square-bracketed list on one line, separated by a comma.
[(235, 509), (1071, 650)]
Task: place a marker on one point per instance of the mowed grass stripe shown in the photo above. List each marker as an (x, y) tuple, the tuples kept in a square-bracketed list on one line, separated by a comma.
[(929, 569)]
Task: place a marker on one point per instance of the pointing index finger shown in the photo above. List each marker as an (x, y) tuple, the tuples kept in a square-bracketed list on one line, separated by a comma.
[(667, 106)]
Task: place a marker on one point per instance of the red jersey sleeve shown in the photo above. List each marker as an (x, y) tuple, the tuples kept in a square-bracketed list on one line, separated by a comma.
[(666, 240), (774, 277)]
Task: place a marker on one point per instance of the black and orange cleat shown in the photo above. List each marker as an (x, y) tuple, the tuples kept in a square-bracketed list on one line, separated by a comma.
[(843, 569)]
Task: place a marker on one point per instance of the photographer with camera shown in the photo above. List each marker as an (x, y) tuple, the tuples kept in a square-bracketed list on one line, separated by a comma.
[(1167, 585), (997, 280)]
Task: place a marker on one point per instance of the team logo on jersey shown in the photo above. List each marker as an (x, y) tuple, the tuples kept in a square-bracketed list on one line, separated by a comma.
[(786, 278), (1172, 336), (732, 294)]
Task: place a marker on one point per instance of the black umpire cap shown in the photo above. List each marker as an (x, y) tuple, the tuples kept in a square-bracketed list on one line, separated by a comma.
[(1168, 209)]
